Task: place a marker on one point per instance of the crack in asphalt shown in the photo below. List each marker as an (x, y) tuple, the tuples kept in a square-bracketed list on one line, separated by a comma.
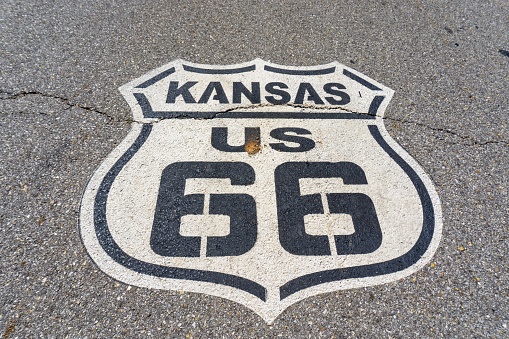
[(451, 132), (212, 115), (70, 104), (65, 101), (307, 106)]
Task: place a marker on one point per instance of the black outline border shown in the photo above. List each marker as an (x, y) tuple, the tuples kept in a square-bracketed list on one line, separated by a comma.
[(360, 80), (401, 263), (156, 78), (300, 71), (218, 70)]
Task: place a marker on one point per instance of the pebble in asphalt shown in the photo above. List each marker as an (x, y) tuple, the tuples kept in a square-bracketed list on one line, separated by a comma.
[(61, 114)]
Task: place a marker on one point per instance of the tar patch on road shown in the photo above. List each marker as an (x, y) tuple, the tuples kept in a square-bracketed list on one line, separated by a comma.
[(504, 52), (259, 183)]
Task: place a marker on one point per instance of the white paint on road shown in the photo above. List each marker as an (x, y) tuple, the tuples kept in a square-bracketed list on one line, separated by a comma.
[(259, 183)]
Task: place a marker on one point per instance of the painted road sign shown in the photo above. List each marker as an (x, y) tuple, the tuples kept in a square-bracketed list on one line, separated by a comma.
[(259, 183)]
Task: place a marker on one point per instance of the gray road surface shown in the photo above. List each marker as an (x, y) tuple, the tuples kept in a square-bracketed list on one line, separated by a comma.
[(61, 114)]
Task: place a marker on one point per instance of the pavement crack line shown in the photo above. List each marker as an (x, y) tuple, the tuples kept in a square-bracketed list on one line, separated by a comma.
[(213, 115), (474, 141), (70, 104), (13, 96)]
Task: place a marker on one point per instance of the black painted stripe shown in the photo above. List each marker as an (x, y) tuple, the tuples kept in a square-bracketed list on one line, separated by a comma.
[(504, 52), (375, 103), (149, 113), (360, 80), (118, 255), (391, 266), (219, 71), (300, 72), (156, 78)]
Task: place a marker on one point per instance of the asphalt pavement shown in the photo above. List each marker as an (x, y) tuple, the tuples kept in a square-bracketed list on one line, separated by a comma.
[(61, 114)]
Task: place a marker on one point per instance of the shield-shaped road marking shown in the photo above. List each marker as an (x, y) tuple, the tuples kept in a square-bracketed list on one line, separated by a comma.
[(259, 183)]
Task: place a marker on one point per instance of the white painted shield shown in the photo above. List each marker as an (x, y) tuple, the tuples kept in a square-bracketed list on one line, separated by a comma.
[(259, 183)]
